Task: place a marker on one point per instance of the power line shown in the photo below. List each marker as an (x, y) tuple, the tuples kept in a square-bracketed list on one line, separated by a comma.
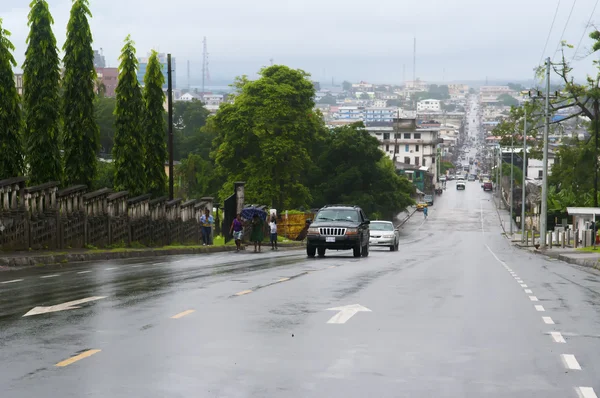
[(549, 33), (587, 25), (564, 29)]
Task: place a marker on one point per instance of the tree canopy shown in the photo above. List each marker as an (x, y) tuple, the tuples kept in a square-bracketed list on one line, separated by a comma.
[(81, 136), (507, 100), (155, 149), (352, 169), (266, 137), (41, 97), (328, 99), (128, 149), (11, 149)]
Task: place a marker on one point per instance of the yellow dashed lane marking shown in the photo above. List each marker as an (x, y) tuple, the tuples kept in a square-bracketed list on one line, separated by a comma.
[(283, 279), (182, 314), (76, 358), (243, 292)]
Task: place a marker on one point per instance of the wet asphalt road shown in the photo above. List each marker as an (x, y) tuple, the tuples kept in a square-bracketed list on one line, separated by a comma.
[(457, 312), (447, 320)]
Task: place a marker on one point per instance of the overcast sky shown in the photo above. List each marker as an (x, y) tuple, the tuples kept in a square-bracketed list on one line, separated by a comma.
[(344, 39)]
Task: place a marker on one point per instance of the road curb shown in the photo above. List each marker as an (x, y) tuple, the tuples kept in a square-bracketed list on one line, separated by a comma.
[(65, 257), (583, 262)]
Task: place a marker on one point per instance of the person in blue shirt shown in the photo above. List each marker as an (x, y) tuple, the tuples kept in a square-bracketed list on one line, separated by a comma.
[(206, 221), (425, 212)]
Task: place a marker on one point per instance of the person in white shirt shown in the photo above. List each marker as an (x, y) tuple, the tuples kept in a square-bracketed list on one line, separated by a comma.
[(273, 229)]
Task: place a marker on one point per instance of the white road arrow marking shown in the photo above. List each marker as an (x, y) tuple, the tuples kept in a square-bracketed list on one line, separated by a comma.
[(346, 312), (71, 305)]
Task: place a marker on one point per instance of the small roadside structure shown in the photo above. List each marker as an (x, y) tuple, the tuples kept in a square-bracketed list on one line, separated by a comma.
[(583, 217)]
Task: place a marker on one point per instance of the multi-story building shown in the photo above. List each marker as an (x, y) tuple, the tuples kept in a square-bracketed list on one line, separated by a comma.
[(407, 143), (99, 60), (417, 85), (380, 103), (362, 86), (212, 102), (429, 105), (162, 58), (377, 114), (19, 83), (109, 77), (457, 91), (490, 94), (353, 113)]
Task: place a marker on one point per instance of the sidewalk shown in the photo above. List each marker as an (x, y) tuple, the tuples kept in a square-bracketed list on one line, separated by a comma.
[(505, 219), (38, 258), (569, 255)]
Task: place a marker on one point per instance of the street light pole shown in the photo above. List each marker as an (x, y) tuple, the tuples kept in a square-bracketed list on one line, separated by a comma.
[(544, 210), (512, 158), (523, 196)]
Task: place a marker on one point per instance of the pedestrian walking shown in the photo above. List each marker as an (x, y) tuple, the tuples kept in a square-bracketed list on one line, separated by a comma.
[(257, 235), (237, 230), (425, 212), (207, 222), (273, 230)]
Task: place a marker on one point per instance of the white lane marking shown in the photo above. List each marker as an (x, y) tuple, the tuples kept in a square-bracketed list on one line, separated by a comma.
[(13, 281), (570, 362), (528, 291), (496, 257), (540, 308), (533, 298), (523, 285), (346, 312), (49, 276), (557, 337), (137, 266), (84, 272), (110, 269), (586, 392), (481, 217), (70, 305), (547, 320)]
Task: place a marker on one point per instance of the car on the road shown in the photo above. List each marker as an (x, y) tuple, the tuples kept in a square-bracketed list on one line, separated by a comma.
[(383, 233), (338, 227), (471, 177), (442, 178), (488, 186), (421, 205), (461, 185), (428, 199)]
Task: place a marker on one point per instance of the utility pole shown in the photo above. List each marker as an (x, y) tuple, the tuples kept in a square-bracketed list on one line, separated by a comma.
[(512, 162), (523, 195), (170, 110), (544, 212), (415, 61), (204, 64)]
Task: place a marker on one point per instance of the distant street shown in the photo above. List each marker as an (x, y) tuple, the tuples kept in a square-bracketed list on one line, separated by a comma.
[(456, 312)]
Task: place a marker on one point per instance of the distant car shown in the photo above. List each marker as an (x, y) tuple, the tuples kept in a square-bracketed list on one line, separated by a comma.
[(383, 233), (461, 185), (471, 178), (428, 199), (460, 178), (443, 178), (421, 206), (487, 186)]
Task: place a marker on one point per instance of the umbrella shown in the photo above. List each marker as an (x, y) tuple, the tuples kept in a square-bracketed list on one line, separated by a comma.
[(249, 212)]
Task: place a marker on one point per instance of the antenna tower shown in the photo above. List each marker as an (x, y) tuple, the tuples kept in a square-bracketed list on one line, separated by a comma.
[(205, 74), (415, 60)]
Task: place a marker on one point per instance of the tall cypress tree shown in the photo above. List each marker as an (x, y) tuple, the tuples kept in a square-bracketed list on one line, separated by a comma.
[(128, 149), (41, 75), (81, 132), (11, 150), (154, 127)]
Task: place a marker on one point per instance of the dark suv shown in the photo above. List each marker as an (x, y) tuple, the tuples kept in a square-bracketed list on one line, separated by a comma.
[(338, 227)]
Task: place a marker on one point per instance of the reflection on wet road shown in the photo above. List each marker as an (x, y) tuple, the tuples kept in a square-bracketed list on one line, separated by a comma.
[(456, 312)]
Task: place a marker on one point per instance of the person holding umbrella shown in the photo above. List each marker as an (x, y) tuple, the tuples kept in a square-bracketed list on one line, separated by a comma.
[(257, 234)]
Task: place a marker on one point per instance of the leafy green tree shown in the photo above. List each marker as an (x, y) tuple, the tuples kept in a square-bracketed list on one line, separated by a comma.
[(267, 135), (365, 96), (105, 118), (128, 149), (515, 86), (154, 127), (11, 149), (346, 86), (105, 176), (352, 169), (328, 99), (394, 102), (507, 100), (41, 75), (188, 118), (80, 132), (196, 177)]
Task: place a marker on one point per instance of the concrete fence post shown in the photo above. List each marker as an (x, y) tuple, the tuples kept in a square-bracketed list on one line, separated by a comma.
[(549, 239), (563, 245)]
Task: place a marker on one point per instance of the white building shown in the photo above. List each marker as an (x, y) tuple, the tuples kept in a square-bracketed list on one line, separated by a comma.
[(413, 146), (429, 105), (189, 97), (416, 85), (380, 103)]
